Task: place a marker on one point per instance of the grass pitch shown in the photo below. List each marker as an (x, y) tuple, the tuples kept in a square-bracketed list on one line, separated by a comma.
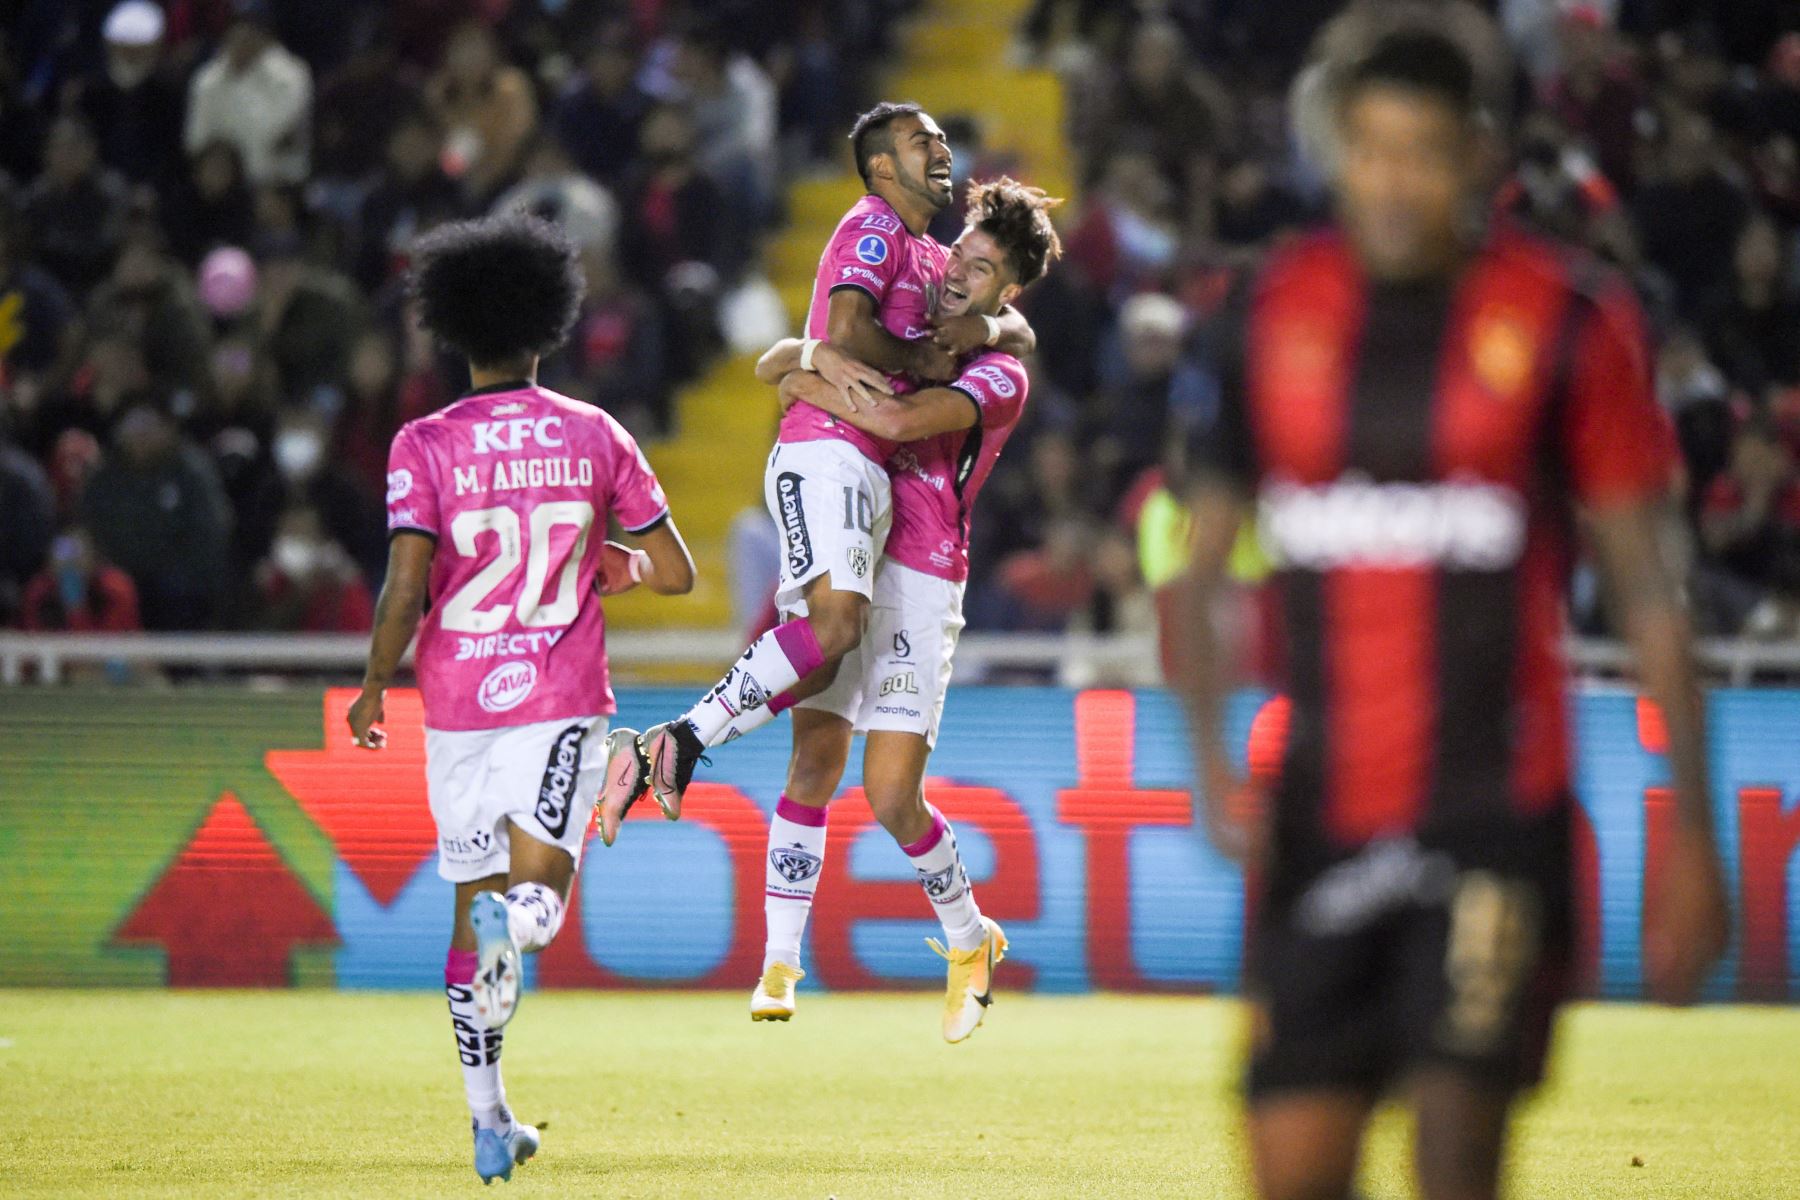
[(652, 1095)]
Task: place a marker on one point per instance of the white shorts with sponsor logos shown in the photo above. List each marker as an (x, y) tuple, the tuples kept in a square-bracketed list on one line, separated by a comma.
[(832, 508), (897, 678), (543, 777)]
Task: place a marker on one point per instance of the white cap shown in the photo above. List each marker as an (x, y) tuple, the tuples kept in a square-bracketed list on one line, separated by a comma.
[(1153, 313), (134, 23)]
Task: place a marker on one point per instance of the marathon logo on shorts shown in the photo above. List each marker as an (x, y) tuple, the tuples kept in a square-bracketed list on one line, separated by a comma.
[(794, 863), (793, 524), (1465, 524), (506, 686), (556, 794)]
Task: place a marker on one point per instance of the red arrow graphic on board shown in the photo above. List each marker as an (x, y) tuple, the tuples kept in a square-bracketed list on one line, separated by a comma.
[(370, 804), (228, 911)]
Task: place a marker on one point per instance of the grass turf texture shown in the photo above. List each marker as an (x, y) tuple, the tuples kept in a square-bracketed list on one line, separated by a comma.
[(322, 1093)]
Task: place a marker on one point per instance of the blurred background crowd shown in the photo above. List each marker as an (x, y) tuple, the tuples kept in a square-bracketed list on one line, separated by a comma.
[(205, 207)]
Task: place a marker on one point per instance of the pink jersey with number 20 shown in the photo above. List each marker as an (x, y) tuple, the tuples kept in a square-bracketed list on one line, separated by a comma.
[(873, 251), (516, 485), (937, 478)]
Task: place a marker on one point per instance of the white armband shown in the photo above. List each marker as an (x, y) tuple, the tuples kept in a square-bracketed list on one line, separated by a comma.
[(806, 352), (993, 328)]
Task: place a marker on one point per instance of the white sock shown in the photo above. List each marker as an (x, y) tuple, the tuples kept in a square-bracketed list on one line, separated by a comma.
[(478, 1047), (946, 884), (753, 719), (774, 663), (791, 875), (534, 914)]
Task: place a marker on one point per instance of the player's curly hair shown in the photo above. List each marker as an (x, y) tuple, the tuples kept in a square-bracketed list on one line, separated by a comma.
[(499, 289), (1017, 217)]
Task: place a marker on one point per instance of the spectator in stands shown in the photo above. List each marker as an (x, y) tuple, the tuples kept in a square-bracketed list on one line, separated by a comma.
[(359, 108), (136, 105), (411, 193), (554, 189), (308, 584), (615, 356), (1596, 95), (76, 208), (1690, 215), (78, 591), (1753, 328), (1750, 531), (487, 109), (156, 509), (29, 508), (1043, 589), (149, 300), (732, 105), (598, 117), (311, 478), (38, 331), (1127, 238), (212, 206), (309, 317), (257, 97), (1150, 386), (1160, 104)]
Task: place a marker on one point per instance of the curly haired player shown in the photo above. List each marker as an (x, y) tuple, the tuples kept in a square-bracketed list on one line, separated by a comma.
[(498, 506)]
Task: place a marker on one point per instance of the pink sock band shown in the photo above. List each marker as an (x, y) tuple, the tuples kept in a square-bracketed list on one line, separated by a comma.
[(459, 966), (801, 646), (799, 814), (781, 703), (932, 836)]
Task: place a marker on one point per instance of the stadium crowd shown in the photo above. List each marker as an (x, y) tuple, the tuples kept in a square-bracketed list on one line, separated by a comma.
[(205, 206)]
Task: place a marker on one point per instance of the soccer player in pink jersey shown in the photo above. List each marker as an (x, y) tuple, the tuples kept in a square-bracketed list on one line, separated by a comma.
[(827, 481), (498, 507), (891, 687)]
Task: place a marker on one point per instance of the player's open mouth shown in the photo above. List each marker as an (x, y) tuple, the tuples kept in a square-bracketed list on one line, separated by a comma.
[(940, 175), (955, 293)]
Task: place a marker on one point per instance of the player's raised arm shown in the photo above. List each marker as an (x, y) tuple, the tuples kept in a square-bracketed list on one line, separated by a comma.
[(853, 325), (397, 613), (1008, 332)]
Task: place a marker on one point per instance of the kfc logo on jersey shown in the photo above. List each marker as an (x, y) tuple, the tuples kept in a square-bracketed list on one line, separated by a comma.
[(872, 250), (399, 483), (995, 378), (491, 436), (506, 686), (1354, 522)]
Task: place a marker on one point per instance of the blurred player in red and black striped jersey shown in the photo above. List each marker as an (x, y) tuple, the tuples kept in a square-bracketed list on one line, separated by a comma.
[(1423, 411)]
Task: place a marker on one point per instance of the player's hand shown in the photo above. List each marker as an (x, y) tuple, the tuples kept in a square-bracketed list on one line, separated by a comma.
[(621, 568), (932, 363), (367, 710), (957, 336), (1687, 925), (1235, 812), (856, 381)]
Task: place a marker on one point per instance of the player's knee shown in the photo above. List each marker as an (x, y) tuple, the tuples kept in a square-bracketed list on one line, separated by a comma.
[(840, 624), (813, 774), (902, 813)]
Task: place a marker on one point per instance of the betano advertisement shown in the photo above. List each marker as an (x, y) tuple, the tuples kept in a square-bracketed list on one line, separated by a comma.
[(232, 838)]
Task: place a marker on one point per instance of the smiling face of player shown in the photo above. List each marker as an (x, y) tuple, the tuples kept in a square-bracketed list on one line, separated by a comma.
[(921, 160), (1406, 177), (979, 278)]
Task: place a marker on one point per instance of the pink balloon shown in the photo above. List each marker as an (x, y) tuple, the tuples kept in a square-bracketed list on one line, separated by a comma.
[(227, 281)]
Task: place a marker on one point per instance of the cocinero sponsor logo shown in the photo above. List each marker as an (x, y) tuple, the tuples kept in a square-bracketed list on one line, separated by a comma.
[(1464, 524), (556, 794), (793, 523)]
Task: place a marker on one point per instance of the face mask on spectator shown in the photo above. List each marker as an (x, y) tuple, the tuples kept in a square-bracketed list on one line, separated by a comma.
[(294, 557), (298, 452)]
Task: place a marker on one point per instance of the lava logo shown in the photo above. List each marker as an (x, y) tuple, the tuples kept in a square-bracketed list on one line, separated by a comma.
[(872, 250), (506, 686), (399, 484), (794, 863)]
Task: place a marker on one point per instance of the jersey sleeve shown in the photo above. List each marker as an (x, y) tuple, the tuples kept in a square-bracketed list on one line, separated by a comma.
[(1219, 443), (864, 253), (412, 498), (633, 493), (997, 383), (1617, 445)]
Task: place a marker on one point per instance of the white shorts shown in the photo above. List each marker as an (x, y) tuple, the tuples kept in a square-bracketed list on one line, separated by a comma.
[(543, 777), (833, 508), (897, 678)]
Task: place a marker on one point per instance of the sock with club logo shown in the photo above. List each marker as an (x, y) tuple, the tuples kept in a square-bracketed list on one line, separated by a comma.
[(774, 663), (946, 884), (534, 914), (796, 854), (756, 718), (478, 1048)]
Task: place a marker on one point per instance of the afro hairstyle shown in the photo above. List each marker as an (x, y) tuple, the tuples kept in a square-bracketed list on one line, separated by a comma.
[(498, 290)]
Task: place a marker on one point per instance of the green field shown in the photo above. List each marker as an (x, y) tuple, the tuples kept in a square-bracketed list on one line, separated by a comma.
[(324, 1093)]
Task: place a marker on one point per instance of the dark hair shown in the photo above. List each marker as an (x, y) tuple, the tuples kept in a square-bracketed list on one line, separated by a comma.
[(1419, 60), (1017, 217), (499, 289), (867, 135)]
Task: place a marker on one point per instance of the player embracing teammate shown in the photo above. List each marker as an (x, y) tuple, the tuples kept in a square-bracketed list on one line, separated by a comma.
[(498, 507), (873, 568)]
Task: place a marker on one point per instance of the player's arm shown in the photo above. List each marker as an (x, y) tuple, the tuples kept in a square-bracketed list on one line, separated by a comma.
[(853, 325), (1011, 333), (858, 382), (669, 568), (1688, 934), (397, 614), (897, 418)]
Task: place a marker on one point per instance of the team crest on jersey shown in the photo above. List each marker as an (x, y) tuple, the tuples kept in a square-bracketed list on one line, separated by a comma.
[(859, 562), (872, 249), (794, 863), (1503, 353), (507, 686)]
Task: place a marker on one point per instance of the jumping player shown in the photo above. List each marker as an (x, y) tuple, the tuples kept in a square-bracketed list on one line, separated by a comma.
[(892, 686), (827, 483), (1421, 411), (497, 513)]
